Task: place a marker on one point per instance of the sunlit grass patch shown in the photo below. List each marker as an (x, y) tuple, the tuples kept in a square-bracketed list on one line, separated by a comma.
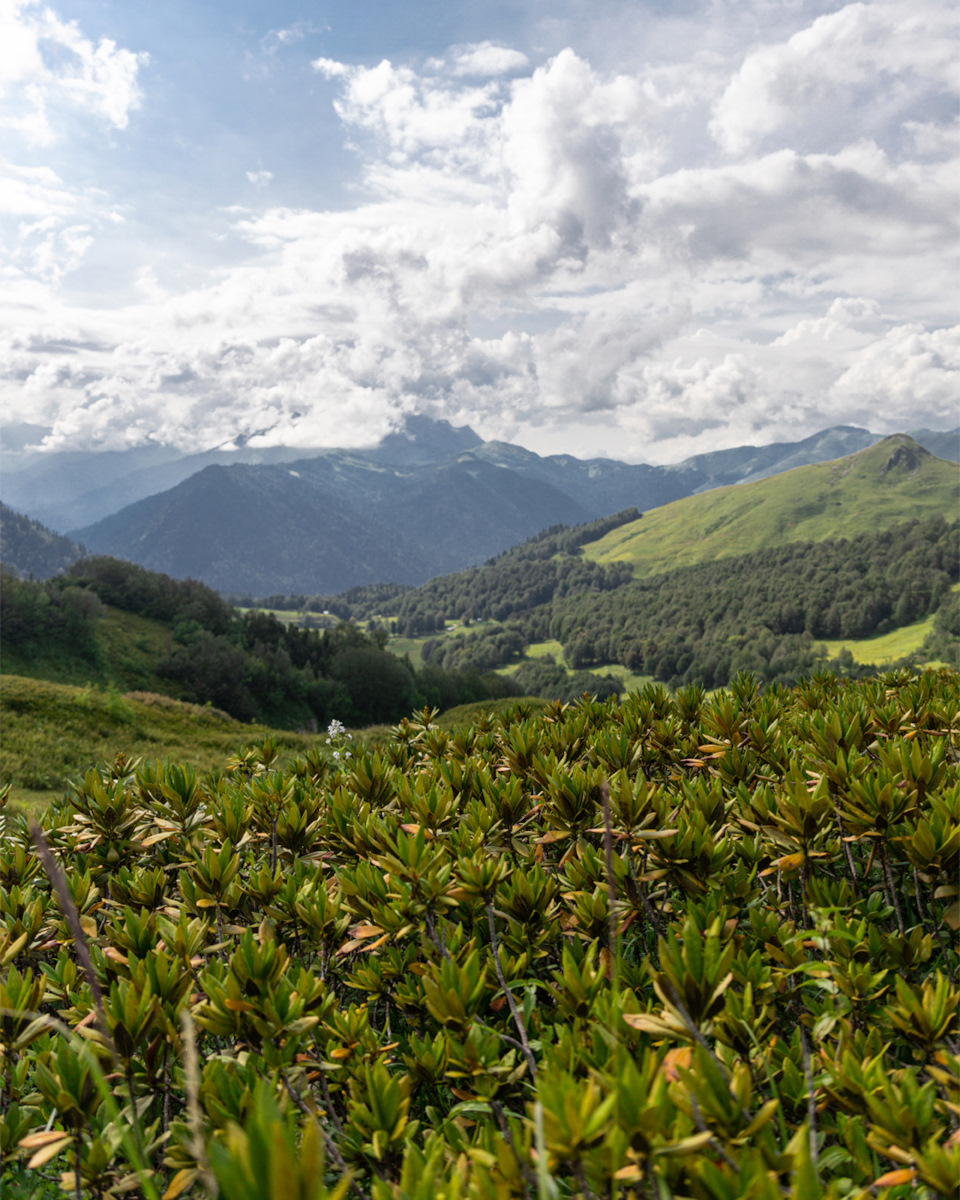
[(541, 649), (632, 682), (814, 503), (54, 732)]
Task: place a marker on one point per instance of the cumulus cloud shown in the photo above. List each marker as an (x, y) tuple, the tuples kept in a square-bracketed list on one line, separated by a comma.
[(859, 64), (661, 297), (48, 65), (908, 369)]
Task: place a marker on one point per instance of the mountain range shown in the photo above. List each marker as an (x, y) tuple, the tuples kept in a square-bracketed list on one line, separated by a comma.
[(428, 500)]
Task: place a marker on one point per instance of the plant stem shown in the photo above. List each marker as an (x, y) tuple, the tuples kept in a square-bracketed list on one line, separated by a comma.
[(888, 874), (811, 1099), (514, 1011)]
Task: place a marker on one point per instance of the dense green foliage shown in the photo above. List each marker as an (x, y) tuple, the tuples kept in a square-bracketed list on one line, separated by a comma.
[(670, 947), (56, 615), (544, 677), (761, 612), (943, 642), (250, 665)]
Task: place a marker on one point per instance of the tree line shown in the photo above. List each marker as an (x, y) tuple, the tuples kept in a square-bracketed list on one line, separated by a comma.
[(250, 665), (764, 612)]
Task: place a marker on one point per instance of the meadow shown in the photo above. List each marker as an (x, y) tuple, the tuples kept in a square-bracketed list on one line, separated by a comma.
[(864, 493), (53, 732)]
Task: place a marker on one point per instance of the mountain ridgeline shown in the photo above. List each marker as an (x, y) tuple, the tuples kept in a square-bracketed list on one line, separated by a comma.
[(429, 499), (341, 519), (744, 578)]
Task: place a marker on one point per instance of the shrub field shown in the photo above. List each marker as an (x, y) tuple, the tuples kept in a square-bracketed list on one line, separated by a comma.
[(673, 946)]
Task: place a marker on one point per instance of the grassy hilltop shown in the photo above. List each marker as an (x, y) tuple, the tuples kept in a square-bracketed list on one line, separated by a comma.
[(53, 732), (895, 480)]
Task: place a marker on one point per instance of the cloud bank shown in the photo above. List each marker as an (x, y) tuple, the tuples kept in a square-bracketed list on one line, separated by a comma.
[(654, 260)]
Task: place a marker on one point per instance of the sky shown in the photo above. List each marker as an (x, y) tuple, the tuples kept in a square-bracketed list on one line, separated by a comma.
[(641, 230)]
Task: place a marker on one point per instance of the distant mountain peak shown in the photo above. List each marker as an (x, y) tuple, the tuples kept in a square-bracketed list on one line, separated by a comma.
[(423, 440)]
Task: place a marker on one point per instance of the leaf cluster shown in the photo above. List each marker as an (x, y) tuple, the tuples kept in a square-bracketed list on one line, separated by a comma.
[(674, 946)]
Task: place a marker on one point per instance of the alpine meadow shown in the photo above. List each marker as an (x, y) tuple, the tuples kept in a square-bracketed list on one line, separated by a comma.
[(479, 600)]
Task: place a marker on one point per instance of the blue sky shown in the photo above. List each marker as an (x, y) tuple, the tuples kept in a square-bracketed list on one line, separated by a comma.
[(645, 230)]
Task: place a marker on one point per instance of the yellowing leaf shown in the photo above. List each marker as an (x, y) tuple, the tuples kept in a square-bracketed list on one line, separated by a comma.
[(673, 1059), (44, 1138), (48, 1152), (892, 1178), (180, 1182), (686, 1145)]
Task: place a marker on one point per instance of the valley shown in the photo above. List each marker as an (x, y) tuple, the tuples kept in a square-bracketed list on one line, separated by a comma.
[(752, 577)]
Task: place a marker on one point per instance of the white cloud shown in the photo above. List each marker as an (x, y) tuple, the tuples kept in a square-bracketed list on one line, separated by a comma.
[(866, 59), (663, 308), (48, 66), (486, 58), (908, 370)]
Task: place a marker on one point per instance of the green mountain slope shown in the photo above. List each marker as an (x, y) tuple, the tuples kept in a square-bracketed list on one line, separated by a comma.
[(893, 481)]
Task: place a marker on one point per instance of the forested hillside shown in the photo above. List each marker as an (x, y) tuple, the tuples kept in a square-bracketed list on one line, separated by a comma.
[(250, 665), (763, 611), (892, 481), (30, 549)]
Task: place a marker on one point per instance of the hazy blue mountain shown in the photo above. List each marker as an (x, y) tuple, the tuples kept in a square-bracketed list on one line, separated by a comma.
[(745, 464), (428, 500), (48, 486), (323, 525), (423, 441), (75, 489), (944, 444)]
